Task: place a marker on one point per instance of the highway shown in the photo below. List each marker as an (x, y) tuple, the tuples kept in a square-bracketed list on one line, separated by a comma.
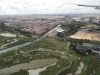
[(28, 43)]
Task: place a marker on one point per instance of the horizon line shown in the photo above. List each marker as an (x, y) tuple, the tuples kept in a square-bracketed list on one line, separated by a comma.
[(56, 14)]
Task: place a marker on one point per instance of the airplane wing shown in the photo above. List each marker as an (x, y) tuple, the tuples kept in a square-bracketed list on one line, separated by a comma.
[(85, 5), (88, 5), (95, 6)]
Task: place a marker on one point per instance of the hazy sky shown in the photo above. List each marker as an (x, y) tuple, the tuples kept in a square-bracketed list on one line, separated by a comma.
[(46, 6)]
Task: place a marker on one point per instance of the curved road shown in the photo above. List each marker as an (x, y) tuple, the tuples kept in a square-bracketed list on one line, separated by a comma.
[(65, 68)]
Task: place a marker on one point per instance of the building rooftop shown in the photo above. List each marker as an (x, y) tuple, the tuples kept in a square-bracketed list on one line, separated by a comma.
[(86, 46), (82, 47)]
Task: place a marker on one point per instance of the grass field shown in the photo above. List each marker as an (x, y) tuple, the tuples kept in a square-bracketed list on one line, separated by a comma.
[(11, 58), (20, 73), (92, 25), (4, 39), (9, 41), (53, 70), (87, 63), (52, 44), (48, 43)]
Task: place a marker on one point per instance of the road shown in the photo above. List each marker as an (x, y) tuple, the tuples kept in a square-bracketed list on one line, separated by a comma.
[(27, 43)]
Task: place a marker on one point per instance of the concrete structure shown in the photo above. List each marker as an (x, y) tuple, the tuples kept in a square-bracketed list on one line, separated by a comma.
[(86, 46)]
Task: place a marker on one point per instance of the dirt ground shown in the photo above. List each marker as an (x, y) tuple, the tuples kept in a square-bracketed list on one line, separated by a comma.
[(79, 68), (86, 35)]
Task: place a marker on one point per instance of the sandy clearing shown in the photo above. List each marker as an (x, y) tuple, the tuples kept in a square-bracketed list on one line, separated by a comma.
[(79, 68), (8, 35), (2, 46), (69, 74), (86, 35), (37, 71)]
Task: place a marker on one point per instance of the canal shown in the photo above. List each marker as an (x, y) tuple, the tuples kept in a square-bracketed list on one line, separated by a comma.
[(28, 43), (28, 66)]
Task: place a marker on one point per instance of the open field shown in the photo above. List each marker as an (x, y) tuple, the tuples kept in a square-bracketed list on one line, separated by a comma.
[(20, 73), (92, 25), (10, 39), (9, 59), (53, 70), (86, 35), (48, 44)]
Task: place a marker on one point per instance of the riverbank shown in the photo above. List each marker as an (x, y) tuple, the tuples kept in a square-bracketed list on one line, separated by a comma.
[(8, 35), (67, 70), (24, 72), (11, 39), (46, 48), (37, 71), (25, 66), (79, 68), (53, 70)]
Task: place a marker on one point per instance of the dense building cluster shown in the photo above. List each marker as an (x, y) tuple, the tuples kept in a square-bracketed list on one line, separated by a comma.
[(39, 24), (33, 24)]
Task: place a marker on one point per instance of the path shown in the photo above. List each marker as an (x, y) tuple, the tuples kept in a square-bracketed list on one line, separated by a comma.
[(79, 68), (64, 68)]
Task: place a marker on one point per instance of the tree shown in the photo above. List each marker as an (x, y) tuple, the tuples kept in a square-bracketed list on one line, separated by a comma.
[(2, 25)]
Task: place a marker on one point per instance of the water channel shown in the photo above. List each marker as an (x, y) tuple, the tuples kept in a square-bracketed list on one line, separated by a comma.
[(28, 43), (31, 65)]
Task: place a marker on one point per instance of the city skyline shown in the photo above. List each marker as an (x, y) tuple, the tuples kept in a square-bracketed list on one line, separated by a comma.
[(46, 7)]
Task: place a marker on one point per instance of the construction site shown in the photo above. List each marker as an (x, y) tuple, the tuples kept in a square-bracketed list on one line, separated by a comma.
[(89, 32)]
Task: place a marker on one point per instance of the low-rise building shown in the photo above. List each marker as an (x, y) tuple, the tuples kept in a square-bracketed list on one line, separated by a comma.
[(86, 46)]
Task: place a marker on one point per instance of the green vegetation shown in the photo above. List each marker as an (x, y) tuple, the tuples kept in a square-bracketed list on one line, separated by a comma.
[(27, 53), (20, 73), (21, 40), (87, 65), (21, 37), (2, 26), (74, 67), (71, 28), (48, 43), (4, 40), (55, 44), (94, 66), (85, 71), (53, 70), (80, 41), (13, 41), (12, 59), (67, 70)]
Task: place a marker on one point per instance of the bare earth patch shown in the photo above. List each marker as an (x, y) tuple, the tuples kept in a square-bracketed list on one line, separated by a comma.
[(69, 74), (8, 35), (37, 71), (4, 45), (86, 35), (79, 68)]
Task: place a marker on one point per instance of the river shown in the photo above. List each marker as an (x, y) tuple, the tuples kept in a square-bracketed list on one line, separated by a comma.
[(28, 43), (31, 65)]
